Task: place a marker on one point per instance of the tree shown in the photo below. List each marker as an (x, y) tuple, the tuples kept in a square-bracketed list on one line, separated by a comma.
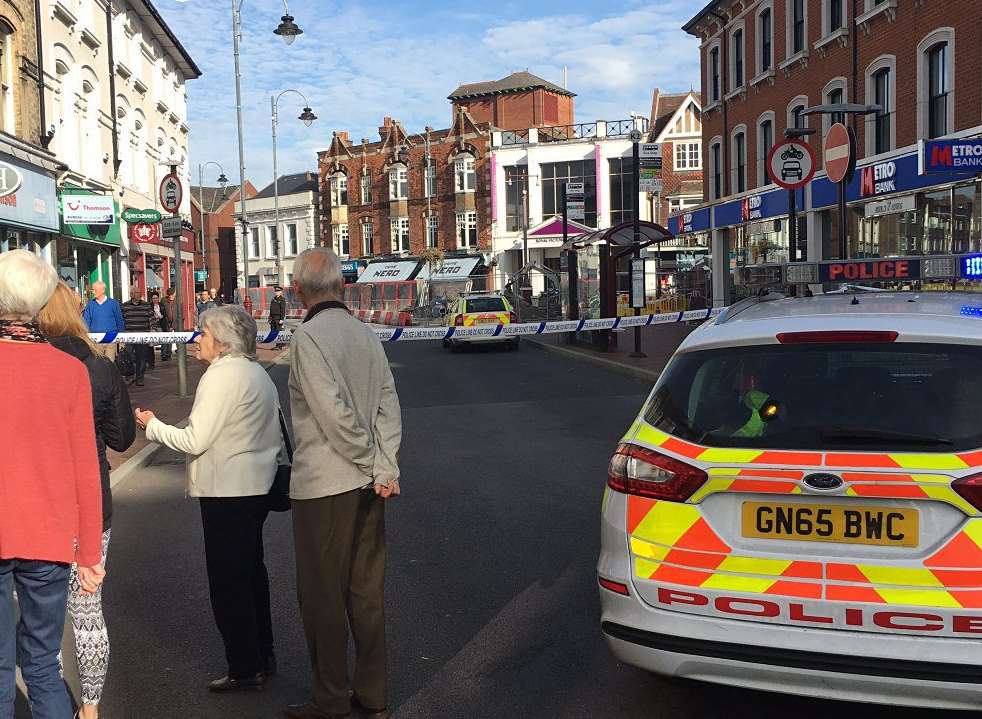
[(432, 256)]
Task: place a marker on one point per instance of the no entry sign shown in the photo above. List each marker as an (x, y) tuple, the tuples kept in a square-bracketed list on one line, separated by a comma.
[(791, 164), (838, 152)]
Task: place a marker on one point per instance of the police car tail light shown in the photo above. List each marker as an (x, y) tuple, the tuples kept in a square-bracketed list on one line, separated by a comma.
[(970, 488), (646, 473), (512, 317), (827, 336)]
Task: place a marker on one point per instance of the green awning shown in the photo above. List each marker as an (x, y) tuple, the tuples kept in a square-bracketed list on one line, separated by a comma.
[(103, 234)]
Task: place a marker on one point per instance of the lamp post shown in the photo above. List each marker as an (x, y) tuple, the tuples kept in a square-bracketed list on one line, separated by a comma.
[(223, 183), (288, 30), (308, 117)]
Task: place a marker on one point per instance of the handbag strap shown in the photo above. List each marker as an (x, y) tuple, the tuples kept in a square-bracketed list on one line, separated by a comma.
[(286, 436)]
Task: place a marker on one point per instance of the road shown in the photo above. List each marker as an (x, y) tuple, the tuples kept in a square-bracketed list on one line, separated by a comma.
[(492, 598)]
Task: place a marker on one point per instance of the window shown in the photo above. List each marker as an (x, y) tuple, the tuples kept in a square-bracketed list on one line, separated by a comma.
[(466, 230), (688, 156), (557, 174), (765, 141), (835, 15), (717, 162), (796, 18), (881, 123), (367, 236), (798, 119), (342, 244), (485, 304), (834, 94), (339, 190), (398, 183), (429, 181), (272, 244), (432, 238), (736, 41), (366, 189), (399, 227), (621, 190), (7, 79), (516, 185), (292, 248), (254, 243), (937, 90), (466, 177), (714, 74), (765, 40), (740, 161)]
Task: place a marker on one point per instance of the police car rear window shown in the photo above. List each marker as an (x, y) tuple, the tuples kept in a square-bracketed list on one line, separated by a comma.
[(876, 397), (485, 304)]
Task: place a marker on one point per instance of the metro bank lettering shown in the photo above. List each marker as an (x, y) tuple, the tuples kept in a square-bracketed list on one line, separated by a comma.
[(941, 156), (878, 179)]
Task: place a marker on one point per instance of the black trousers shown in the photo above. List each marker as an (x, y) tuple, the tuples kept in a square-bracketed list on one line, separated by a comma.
[(237, 579), (142, 356), (340, 555)]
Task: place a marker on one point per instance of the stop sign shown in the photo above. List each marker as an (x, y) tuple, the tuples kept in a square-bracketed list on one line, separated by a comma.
[(838, 153)]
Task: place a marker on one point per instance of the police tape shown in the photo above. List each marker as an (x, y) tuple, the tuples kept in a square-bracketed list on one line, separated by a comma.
[(403, 334)]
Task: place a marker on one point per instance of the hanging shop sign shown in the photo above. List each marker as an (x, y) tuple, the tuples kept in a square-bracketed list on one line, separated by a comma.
[(27, 197), (389, 271), (132, 215), (946, 156), (88, 210)]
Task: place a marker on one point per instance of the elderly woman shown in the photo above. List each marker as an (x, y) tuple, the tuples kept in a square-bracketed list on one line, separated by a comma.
[(52, 501), (232, 440)]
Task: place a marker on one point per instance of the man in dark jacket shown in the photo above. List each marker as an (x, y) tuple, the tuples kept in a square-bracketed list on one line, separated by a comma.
[(137, 314), (277, 310), (167, 322)]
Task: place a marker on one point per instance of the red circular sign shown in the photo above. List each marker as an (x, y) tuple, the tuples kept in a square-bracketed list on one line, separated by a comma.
[(837, 152), (171, 192), (791, 164)]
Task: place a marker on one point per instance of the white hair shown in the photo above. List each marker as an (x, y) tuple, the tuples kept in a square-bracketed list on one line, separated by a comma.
[(233, 328), (317, 271), (26, 284)]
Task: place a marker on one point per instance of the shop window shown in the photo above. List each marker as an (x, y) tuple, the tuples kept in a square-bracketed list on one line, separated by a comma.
[(367, 233), (556, 174), (966, 218), (516, 184), (466, 230)]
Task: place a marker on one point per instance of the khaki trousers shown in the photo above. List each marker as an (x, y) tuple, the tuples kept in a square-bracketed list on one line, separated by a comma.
[(107, 350), (340, 555)]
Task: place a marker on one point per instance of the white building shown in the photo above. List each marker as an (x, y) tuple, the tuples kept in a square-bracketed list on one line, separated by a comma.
[(530, 167), (271, 262), (117, 108)]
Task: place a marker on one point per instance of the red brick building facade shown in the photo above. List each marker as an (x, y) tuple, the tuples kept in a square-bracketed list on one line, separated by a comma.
[(676, 124), (219, 233), (516, 102)]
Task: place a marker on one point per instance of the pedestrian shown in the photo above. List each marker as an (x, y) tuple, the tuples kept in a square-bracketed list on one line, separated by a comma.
[(348, 427), (156, 324), (215, 297), (277, 310), (232, 440), (205, 303), (137, 316), (52, 505), (167, 307), (115, 428), (103, 314)]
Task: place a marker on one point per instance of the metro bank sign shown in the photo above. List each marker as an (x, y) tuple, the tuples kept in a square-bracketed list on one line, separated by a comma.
[(941, 156), (878, 179)]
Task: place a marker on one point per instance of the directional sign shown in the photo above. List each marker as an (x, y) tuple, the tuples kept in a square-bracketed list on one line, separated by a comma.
[(172, 226), (791, 164), (574, 188), (133, 216), (171, 192), (838, 152)]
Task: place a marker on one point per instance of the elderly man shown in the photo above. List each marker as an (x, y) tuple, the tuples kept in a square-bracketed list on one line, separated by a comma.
[(103, 314), (347, 426)]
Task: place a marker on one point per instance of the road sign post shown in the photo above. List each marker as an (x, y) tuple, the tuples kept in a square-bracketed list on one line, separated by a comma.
[(636, 158), (792, 164), (171, 194), (840, 159)]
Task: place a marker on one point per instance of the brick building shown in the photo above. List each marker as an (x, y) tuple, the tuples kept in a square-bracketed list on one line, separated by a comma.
[(218, 205), (765, 61), (516, 102)]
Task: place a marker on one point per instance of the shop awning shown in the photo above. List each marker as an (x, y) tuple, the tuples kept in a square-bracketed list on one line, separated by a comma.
[(396, 271), (452, 269)]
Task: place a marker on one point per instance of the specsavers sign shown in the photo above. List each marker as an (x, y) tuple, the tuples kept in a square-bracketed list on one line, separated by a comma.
[(27, 197), (88, 210)]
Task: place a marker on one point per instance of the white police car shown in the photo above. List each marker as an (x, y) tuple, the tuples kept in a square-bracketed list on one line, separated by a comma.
[(798, 506)]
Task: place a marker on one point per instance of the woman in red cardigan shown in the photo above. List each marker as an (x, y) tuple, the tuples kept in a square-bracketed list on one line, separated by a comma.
[(50, 488)]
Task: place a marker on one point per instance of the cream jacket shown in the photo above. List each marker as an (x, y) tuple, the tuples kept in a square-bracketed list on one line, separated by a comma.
[(233, 437)]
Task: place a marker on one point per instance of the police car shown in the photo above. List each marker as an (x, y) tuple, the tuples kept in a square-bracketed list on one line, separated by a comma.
[(477, 309), (798, 506)]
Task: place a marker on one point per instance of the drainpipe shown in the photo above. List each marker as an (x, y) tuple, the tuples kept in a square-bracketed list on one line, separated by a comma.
[(43, 137), (724, 61), (112, 87), (854, 34)]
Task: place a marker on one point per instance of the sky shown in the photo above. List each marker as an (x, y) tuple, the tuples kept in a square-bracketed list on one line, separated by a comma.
[(358, 62)]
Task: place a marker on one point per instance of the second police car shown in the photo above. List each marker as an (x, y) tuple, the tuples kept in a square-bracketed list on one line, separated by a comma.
[(480, 309), (798, 506)]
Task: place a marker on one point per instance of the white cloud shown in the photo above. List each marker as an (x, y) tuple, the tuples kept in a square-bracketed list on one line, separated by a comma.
[(358, 63)]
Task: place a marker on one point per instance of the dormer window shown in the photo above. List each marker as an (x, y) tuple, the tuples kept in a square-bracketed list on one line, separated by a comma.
[(465, 174), (398, 182)]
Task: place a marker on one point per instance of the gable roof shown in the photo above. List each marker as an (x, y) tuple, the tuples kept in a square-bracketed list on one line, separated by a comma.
[(516, 82), (213, 197), (664, 107), (290, 185)]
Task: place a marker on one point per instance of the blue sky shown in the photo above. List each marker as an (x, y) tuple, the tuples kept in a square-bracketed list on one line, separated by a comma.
[(358, 62)]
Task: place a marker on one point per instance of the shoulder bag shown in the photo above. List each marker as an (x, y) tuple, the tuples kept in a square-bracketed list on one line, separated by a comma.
[(279, 493)]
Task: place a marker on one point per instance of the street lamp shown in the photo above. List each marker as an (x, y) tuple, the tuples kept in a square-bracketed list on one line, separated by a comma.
[(288, 30), (223, 183), (308, 117)]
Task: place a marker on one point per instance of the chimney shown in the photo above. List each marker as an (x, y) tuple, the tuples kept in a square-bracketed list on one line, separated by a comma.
[(343, 134), (384, 130)]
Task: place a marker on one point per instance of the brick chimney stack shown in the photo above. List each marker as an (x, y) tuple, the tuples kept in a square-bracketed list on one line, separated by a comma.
[(384, 130)]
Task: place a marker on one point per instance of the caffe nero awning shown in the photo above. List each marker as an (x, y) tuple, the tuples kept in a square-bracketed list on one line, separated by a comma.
[(395, 271), (452, 269)]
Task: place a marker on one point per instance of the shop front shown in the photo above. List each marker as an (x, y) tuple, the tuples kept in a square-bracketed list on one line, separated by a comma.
[(351, 269), (28, 204), (684, 261), (90, 248), (152, 267)]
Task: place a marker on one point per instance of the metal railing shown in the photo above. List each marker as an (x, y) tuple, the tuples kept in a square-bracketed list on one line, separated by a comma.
[(622, 128), (515, 137), (565, 133), (568, 133)]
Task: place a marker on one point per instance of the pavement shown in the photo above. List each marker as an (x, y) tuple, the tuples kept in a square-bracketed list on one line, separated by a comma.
[(492, 603)]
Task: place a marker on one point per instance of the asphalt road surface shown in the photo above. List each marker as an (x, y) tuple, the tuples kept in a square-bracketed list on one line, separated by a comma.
[(491, 595)]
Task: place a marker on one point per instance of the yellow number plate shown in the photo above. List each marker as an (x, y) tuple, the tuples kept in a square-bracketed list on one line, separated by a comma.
[(886, 526), (486, 321)]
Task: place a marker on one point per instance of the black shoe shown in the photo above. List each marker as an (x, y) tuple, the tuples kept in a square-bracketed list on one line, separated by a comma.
[(309, 710), (269, 665), (228, 684), (382, 713), (139, 383)]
